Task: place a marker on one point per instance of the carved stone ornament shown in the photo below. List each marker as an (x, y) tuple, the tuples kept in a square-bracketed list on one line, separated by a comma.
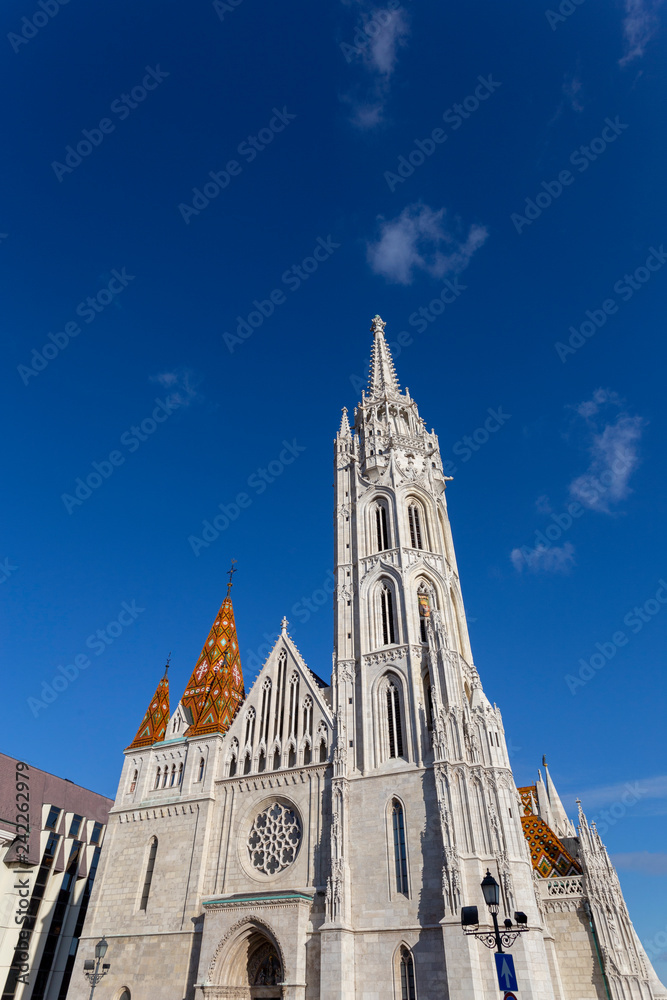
[(274, 839)]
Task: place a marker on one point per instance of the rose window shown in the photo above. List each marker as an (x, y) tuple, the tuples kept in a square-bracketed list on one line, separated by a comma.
[(274, 839)]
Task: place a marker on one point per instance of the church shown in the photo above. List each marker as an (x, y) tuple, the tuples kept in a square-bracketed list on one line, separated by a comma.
[(309, 840)]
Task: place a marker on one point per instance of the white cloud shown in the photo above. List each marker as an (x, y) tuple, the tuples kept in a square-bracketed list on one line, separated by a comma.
[(639, 26), (378, 36), (641, 861), (614, 452), (572, 92), (544, 559), (642, 789), (418, 239), (182, 383)]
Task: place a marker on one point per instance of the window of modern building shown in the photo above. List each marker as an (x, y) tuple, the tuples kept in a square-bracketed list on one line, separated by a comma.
[(414, 519), (149, 874), (52, 818), (407, 976), (95, 835), (75, 825)]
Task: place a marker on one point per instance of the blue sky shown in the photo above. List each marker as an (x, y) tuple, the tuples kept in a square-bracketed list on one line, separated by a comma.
[(246, 184)]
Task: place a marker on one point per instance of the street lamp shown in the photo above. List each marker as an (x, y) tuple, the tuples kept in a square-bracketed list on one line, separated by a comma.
[(91, 969), (470, 919)]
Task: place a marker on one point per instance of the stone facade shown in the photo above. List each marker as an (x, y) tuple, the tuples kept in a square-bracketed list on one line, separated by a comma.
[(322, 846)]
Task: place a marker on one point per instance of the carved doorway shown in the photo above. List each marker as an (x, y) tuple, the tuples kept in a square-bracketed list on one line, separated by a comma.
[(265, 970)]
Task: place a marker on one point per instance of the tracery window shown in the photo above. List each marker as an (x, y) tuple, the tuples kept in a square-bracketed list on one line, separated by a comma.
[(294, 705), (250, 727), (308, 715), (274, 839), (400, 856), (266, 711), (407, 976), (414, 519)]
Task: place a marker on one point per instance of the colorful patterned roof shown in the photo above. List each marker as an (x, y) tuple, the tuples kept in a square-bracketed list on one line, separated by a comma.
[(548, 855), (215, 690), (154, 723)]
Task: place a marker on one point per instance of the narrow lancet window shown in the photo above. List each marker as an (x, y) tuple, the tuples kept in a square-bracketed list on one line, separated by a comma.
[(407, 976), (400, 857), (149, 874), (381, 527), (394, 728), (414, 518), (387, 613)]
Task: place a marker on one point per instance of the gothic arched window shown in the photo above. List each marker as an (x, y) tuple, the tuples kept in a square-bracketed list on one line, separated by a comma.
[(180, 773), (307, 754), (157, 777), (400, 856), (424, 602), (388, 633), (232, 767), (308, 715), (323, 751), (250, 727), (172, 780), (165, 776), (407, 976), (261, 764), (247, 764), (149, 874), (133, 784), (276, 759), (381, 533), (414, 520), (294, 705), (202, 768), (291, 761), (266, 710), (394, 726)]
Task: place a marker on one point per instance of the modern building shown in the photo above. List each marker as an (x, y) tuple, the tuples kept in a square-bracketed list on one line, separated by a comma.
[(51, 834), (317, 841)]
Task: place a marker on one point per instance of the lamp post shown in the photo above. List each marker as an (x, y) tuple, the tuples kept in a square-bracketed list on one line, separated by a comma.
[(495, 940), (91, 969)]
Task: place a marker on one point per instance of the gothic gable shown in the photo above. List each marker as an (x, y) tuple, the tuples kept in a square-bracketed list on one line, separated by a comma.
[(285, 720)]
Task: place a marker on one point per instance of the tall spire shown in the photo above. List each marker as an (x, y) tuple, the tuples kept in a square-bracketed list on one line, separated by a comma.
[(215, 689), (154, 723), (344, 430), (563, 825), (382, 377)]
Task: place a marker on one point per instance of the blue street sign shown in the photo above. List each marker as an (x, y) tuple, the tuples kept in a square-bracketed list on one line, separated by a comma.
[(505, 970), (511, 996)]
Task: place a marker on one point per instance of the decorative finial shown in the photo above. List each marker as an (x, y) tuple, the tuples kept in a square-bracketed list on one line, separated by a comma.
[(166, 666), (377, 325), (231, 572), (544, 760), (283, 626)]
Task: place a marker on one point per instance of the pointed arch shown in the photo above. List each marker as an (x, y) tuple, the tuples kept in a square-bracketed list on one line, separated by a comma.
[(384, 604), (399, 847), (379, 526), (417, 533), (407, 988), (390, 711)]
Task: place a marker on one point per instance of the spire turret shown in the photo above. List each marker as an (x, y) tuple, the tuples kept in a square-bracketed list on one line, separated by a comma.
[(153, 726), (382, 380), (344, 430), (562, 824), (215, 689)]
